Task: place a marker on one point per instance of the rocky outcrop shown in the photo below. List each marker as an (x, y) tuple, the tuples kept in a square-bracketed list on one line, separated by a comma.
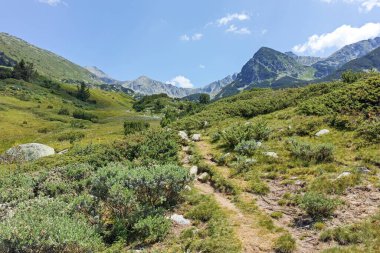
[(29, 152)]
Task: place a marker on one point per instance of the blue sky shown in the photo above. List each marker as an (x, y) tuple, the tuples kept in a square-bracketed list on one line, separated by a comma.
[(190, 43)]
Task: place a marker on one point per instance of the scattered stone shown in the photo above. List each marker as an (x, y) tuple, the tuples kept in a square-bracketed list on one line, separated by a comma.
[(322, 132), (271, 154), (187, 188), (364, 170), (193, 171), (63, 152), (204, 177), (180, 220), (205, 124), (344, 174), (29, 152), (183, 135), (196, 137), (185, 149), (259, 144)]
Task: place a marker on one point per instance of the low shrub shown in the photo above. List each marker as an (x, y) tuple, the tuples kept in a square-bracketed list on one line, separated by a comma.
[(258, 186), (80, 114), (317, 205), (152, 229), (64, 111), (311, 153), (247, 148), (71, 136), (131, 127), (370, 131), (285, 244)]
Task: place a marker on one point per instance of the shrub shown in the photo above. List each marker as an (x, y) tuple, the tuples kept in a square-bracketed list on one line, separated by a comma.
[(79, 114), (351, 77), (64, 111), (276, 215), (343, 122), (258, 186), (243, 164), (71, 136), (247, 147), (370, 131), (311, 153), (245, 132), (44, 225), (152, 229), (285, 244), (317, 205), (131, 127)]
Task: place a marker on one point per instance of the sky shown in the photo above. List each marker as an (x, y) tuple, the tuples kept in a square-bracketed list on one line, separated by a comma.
[(188, 43)]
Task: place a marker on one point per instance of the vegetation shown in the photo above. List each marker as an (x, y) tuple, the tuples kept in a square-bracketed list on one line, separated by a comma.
[(131, 127)]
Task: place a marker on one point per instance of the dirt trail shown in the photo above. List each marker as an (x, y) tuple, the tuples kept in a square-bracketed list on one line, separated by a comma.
[(251, 238)]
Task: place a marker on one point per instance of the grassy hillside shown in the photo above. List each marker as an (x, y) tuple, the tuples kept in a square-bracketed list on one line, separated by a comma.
[(321, 192), (45, 62)]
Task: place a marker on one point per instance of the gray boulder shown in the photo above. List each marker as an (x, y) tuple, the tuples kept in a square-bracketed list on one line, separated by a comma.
[(271, 154), (183, 135), (193, 171), (29, 152), (180, 220), (204, 177), (322, 132), (196, 137)]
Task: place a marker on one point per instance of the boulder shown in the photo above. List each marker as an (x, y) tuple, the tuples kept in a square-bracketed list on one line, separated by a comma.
[(180, 220), (322, 132), (204, 177), (29, 152), (196, 137), (187, 188), (344, 174), (63, 152), (194, 171), (271, 154), (183, 135)]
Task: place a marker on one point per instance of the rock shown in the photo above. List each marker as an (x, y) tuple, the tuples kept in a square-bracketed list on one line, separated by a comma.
[(183, 135), (344, 174), (271, 154), (259, 144), (364, 170), (63, 152), (193, 171), (29, 152), (180, 220), (196, 137), (187, 188), (300, 183), (322, 132), (204, 177)]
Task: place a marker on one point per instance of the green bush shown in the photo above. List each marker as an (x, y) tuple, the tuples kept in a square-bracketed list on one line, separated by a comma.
[(351, 77), (247, 147), (317, 205), (370, 131), (131, 127), (71, 136), (152, 229), (311, 153), (239, 133), (64, 111), (285, 244), (79, 114), (45, 225)]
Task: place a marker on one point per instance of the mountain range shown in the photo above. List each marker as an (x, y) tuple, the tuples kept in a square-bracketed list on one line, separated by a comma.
[(267, 68)]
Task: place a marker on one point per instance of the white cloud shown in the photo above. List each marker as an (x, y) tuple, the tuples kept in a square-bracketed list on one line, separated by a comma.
[(51, 2), (364, 5), (340, 37), (237, 30), (231, 17), (194, 37), (264, 31), (202, 66), (181, 81)]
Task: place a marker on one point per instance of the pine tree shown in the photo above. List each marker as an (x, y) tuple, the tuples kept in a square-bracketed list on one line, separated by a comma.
[(83, 91), (23, 70)]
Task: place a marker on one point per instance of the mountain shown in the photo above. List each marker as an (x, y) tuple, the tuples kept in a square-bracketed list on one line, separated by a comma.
[(268, 68), (215, 87), (148, 86), (101, 75), (304, 60), (344, 55), (45, 62)]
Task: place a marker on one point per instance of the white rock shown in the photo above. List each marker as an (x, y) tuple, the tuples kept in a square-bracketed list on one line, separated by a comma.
[(183, 135), (344, 174), (204, 177), (29, 152), (259, 144), (322, 132), (179, 219), (187, 188), (193, 171), (63, 152), (196, 137), (271, 154)]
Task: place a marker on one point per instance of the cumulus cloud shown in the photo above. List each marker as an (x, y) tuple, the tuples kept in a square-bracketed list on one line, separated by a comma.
[(194, 37), (237, 30), (364, 5), (181, 81), (231, 17), (51, 2), (342, 36)]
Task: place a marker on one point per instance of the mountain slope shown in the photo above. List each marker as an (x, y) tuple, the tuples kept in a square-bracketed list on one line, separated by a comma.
[(215, 87), (304, 60), (101, 75), (148, 86), (265, 68), (45, 62), (344, 55)]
